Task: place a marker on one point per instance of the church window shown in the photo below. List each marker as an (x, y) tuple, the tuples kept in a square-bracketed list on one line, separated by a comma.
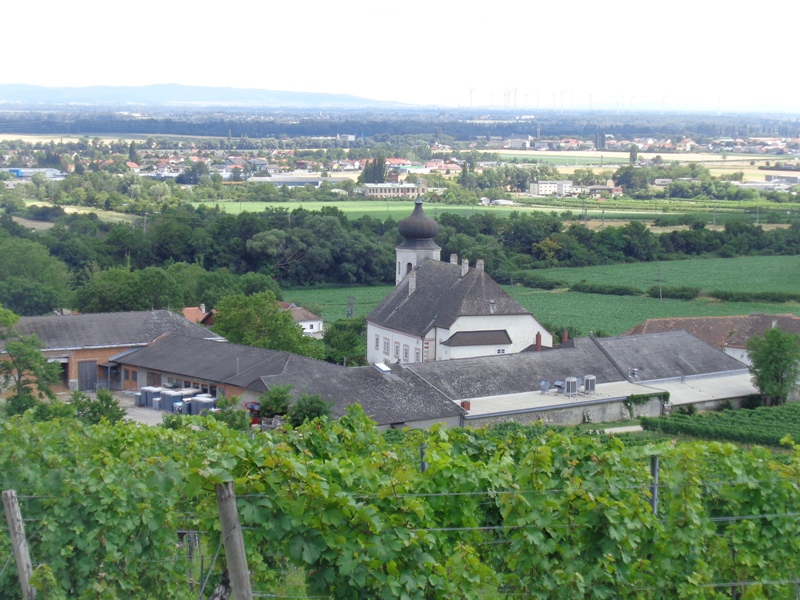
[(405, 353), (386, 345), (397, 349), (377, 342), (416, 355)]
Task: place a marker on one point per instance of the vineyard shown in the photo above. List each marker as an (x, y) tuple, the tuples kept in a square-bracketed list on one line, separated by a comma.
[(765, 426), (343, 510)]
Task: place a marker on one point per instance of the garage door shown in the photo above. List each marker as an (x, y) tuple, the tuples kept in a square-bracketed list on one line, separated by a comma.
[(87, 375)]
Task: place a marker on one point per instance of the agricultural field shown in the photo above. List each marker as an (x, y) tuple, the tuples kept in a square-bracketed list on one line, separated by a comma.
[(379, 209), (764, 426), (742, 274), (611, 315)]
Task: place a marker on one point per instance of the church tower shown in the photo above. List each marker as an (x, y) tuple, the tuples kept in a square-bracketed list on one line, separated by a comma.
[(418, 232)]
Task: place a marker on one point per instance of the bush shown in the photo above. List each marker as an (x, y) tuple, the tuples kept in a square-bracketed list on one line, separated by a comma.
[(676, 293), (275, 402), (307, 408), (605, 288), (776, 297)]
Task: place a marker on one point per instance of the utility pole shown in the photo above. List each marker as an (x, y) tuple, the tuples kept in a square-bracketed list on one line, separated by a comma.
[(233, 540), (19, 544)]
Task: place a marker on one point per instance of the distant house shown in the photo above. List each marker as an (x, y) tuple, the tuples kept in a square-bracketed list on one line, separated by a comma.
[(393, 190), (312, 324), (551, 188), (83, 344), (199, 315)]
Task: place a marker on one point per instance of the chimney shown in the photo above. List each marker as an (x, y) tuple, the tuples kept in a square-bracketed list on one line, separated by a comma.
[(479, 264), (564, 337), (464, 266), (538, 341), (203, 308), (454, 259), (466, 404), (412, 282)]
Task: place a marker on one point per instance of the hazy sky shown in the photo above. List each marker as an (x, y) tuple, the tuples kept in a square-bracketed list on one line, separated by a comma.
[(621, 54)]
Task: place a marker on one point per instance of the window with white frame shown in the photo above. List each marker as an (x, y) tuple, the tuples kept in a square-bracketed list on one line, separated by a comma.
[(405, 353), (386, 345), (416, 355), (377, 342), (397, 349)]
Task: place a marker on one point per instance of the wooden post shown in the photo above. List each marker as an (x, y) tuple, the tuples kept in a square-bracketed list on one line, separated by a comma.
[(16, 530), (234, 542)]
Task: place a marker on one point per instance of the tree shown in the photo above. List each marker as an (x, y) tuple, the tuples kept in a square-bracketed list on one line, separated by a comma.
[(775, 364), (94, 410), (23, 368), (307, 408), (345, 342), (258, 320), (633, 153)]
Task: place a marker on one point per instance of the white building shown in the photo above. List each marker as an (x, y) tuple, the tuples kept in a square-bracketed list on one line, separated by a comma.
[(551, 188), (392, 190), (441, 311)]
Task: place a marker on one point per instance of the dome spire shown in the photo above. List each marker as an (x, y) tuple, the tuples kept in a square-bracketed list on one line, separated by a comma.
[(418, 231)]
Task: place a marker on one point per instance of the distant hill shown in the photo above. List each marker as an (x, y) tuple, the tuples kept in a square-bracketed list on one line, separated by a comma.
[(171, 94)]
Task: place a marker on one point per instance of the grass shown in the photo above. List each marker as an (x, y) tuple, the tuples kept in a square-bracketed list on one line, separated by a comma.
[(743, 274)]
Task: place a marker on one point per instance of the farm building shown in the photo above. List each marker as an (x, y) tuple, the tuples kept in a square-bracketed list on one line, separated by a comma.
[(83, 344)]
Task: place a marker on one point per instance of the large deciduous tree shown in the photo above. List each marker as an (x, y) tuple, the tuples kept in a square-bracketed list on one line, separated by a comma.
[(775, 364), (258, 320)]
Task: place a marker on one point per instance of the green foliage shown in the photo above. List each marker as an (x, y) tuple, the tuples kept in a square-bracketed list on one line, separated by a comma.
[(605, 288), (232, 414), (775, 364), (307, 408), (764, 425), (345, 342), (258, 321), (676, 293), (771, 296), (24, 368), (275, 402), (93, 410)]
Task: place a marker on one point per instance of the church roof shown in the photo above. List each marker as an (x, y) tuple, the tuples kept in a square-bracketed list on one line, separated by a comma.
[(442, 295), (418, 226)]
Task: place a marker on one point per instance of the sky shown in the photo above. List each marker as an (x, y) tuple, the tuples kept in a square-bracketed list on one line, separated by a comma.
[(533, 56)]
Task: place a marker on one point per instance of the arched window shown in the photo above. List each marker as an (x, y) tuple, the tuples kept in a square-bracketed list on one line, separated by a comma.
[(409, 268)]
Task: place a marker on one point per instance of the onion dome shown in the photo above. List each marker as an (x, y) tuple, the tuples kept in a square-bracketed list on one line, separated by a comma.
[(418, 226)]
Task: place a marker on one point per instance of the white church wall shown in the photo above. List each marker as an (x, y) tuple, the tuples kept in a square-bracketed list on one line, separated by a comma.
[(388, 346)]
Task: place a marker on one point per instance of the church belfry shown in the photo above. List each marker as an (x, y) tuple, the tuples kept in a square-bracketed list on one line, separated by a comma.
[(418, 231)]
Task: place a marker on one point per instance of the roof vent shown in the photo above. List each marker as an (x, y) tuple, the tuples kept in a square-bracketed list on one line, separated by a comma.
[(571, 386), (544, 385), (589, 385)]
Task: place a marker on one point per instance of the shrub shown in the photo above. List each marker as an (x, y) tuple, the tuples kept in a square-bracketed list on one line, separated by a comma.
[(307, 408), (276, 401), (676, 293), (605, 289)]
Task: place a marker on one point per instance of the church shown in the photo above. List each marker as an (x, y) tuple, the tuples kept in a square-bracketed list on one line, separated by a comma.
[(445, 310)]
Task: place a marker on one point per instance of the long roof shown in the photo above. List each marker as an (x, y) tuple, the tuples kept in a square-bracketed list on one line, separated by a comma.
[(442, 295), (430, 391), (730, 331), (397, 396), (103, 330)]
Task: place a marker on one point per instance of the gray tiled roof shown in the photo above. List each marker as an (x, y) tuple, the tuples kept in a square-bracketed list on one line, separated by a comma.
[(108, 329), (396, 397), (442, 295), (656, 356), (210, 360)]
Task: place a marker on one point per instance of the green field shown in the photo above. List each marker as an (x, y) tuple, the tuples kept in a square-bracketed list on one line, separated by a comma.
[(380, 209), (743, 274), (613, 314)]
